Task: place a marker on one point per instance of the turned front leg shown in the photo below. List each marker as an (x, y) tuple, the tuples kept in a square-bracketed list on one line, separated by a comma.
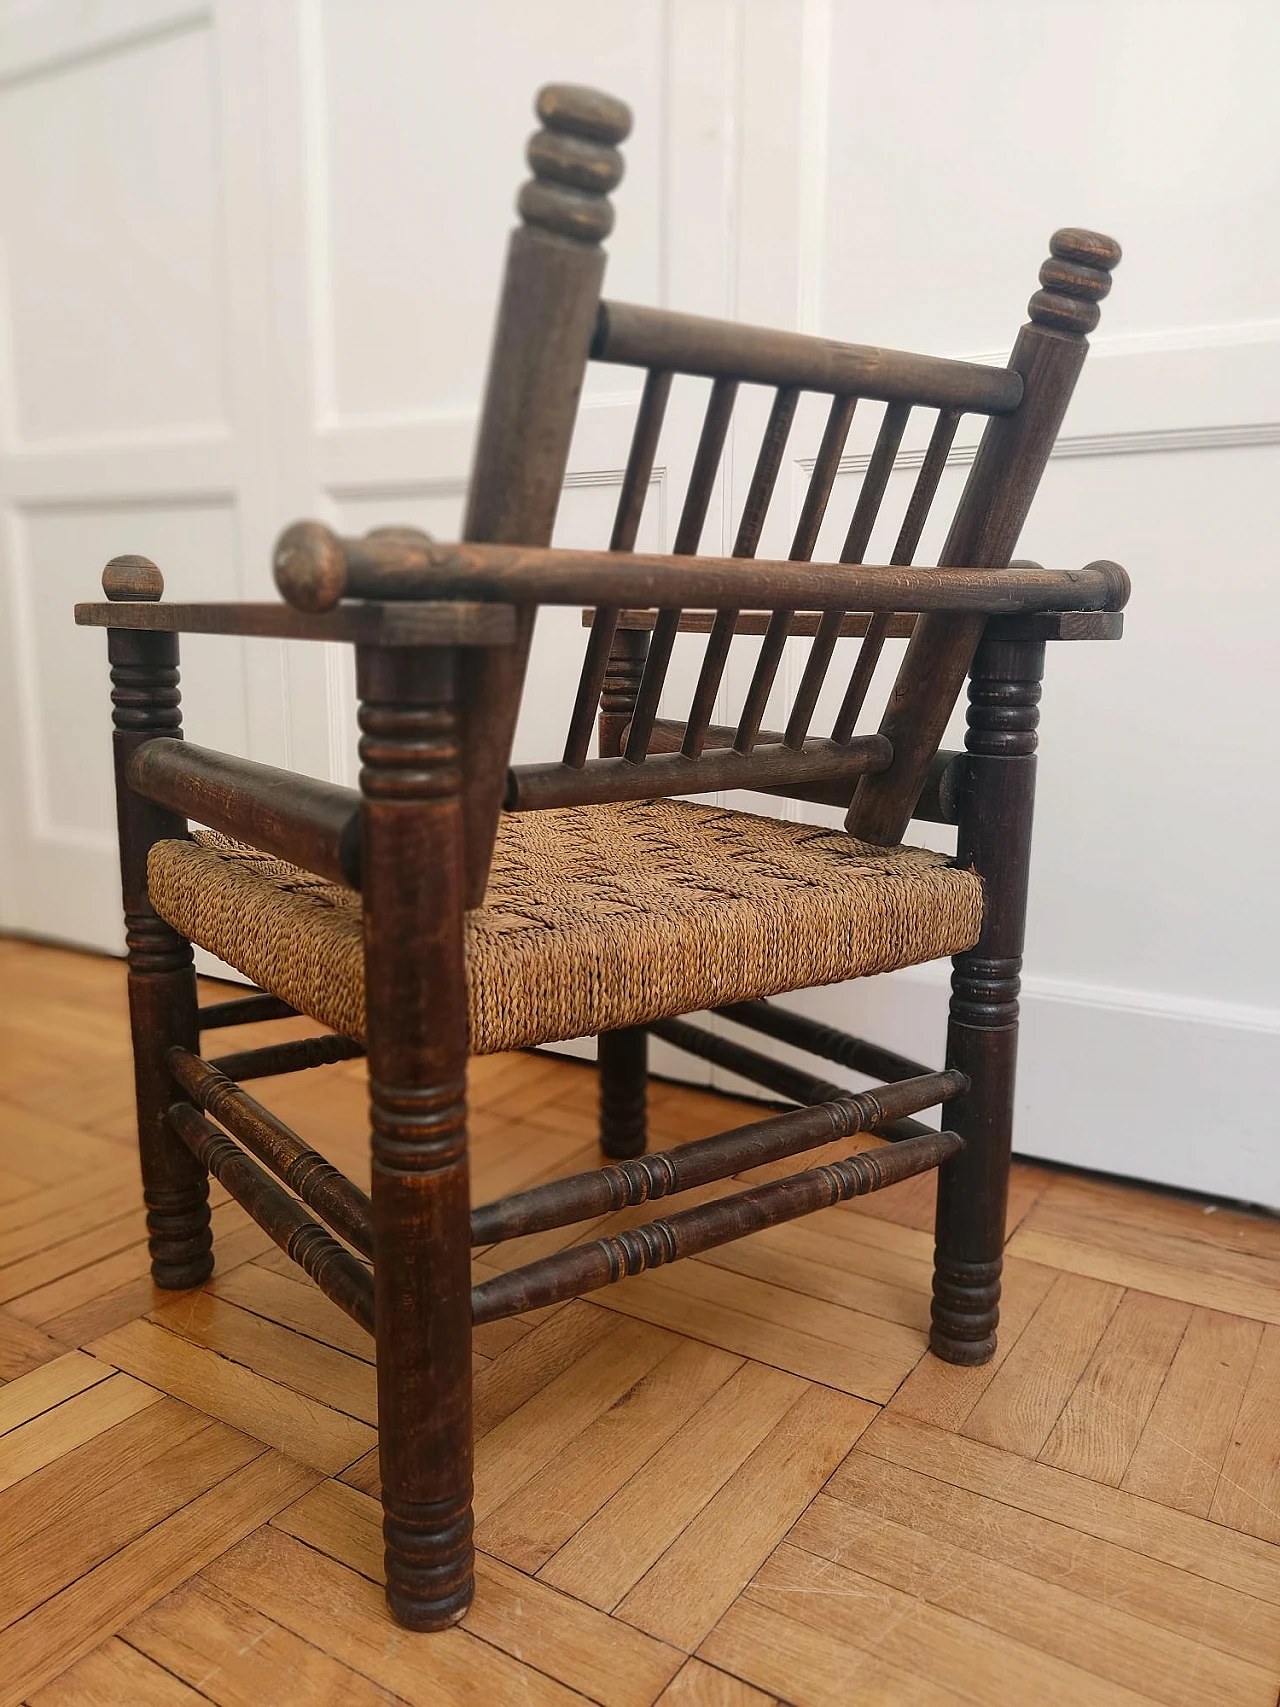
[(162, 981), (417, 1044), (982, 1037)]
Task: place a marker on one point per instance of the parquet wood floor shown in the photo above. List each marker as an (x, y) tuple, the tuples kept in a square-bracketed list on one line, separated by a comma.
[(737, 1482)]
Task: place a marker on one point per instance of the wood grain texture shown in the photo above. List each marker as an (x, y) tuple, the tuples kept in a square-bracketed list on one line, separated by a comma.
[(652, 1481), (1021, 1407), (1100, 1424), (1180, 1453)]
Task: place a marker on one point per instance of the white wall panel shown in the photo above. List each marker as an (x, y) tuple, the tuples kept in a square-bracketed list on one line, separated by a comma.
[(425, 116), (109, 183), (250, 259)]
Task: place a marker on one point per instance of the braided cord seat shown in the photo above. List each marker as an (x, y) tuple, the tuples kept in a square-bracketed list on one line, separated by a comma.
[(596, 917)]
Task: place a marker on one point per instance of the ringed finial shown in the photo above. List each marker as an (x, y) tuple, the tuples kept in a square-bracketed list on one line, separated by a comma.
[(575, 162), (132, 578), (1074, 280)]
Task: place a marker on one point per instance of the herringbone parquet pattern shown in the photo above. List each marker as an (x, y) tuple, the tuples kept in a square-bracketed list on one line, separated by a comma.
[(734, 1482)]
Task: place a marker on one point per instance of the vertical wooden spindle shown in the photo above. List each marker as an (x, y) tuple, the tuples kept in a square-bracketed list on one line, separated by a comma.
[(825, 468), (922, 495), (876, 479), (1048, 354), (755, 509), (546, 318), (162, 981), (626, 525), (693, 516), (413, 895), (996, 805)]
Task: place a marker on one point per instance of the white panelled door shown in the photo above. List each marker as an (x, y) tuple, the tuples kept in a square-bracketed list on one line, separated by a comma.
[(249, 255)]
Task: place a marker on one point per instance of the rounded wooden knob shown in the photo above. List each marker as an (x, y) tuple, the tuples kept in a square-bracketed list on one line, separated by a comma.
[(1074, 280), (1119, 585), (132, 578), (310, 566), (575, 162)]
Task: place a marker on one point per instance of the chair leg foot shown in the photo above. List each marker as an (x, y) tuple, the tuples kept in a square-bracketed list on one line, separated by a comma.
[(966, 1310), (180, 1241), (430, 1562), (624, 1084), (175, 1186)]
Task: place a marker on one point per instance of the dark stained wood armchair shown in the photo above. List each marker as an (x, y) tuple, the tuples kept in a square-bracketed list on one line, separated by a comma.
[(455, 905)]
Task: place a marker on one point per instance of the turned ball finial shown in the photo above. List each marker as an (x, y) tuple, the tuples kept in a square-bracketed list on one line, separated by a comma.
[(1074, 281), (575, 162), (310, 566), (132, 578)]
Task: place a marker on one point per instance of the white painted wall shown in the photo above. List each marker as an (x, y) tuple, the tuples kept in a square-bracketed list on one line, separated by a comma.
[(248, 258)]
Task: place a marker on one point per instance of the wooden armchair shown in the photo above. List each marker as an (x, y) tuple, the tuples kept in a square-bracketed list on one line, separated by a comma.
[(455, 905)]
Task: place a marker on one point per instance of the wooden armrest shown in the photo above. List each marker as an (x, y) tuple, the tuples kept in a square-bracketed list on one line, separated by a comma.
[(310, 823), (315, 569), (442, 623)]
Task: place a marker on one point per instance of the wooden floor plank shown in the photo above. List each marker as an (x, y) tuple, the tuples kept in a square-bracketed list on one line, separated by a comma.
[(701, 1574), (982, 1666), (511, 1453), (1019, 1409), (841, 1348), (1113, 1210), (71, 1202), (817, 1667), (291, 1300), (613, 1664), (946, 1393), (116, 1675), (1182, 1448), (23, 1347), (69, 1256), (41, 1645), (698, 1684), (70, 1307), (1237, 1561), (799, 1265), (1057, 1553), (59, 1430), (48, 1385), (633, 1529), (1248, 1492), (77, 1511), (1108, 1642), (343, 1613), (1173, 1265), (238, 1658), (680, 1462), (331, 1377), (1102, 1421), (312, 1432), (552, 1348), (527, 1528)]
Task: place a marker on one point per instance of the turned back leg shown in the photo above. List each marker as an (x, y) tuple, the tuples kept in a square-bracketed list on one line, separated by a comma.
[(982, 1038)]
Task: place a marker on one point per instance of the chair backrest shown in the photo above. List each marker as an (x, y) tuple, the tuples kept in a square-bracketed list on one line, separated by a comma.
[(551, 321)]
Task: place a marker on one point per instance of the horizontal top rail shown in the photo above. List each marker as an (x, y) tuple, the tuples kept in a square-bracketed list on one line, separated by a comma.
[(315, 568), (655, 338)]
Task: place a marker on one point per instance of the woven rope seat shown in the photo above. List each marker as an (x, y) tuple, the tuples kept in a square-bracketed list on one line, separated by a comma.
[(596, 917)]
